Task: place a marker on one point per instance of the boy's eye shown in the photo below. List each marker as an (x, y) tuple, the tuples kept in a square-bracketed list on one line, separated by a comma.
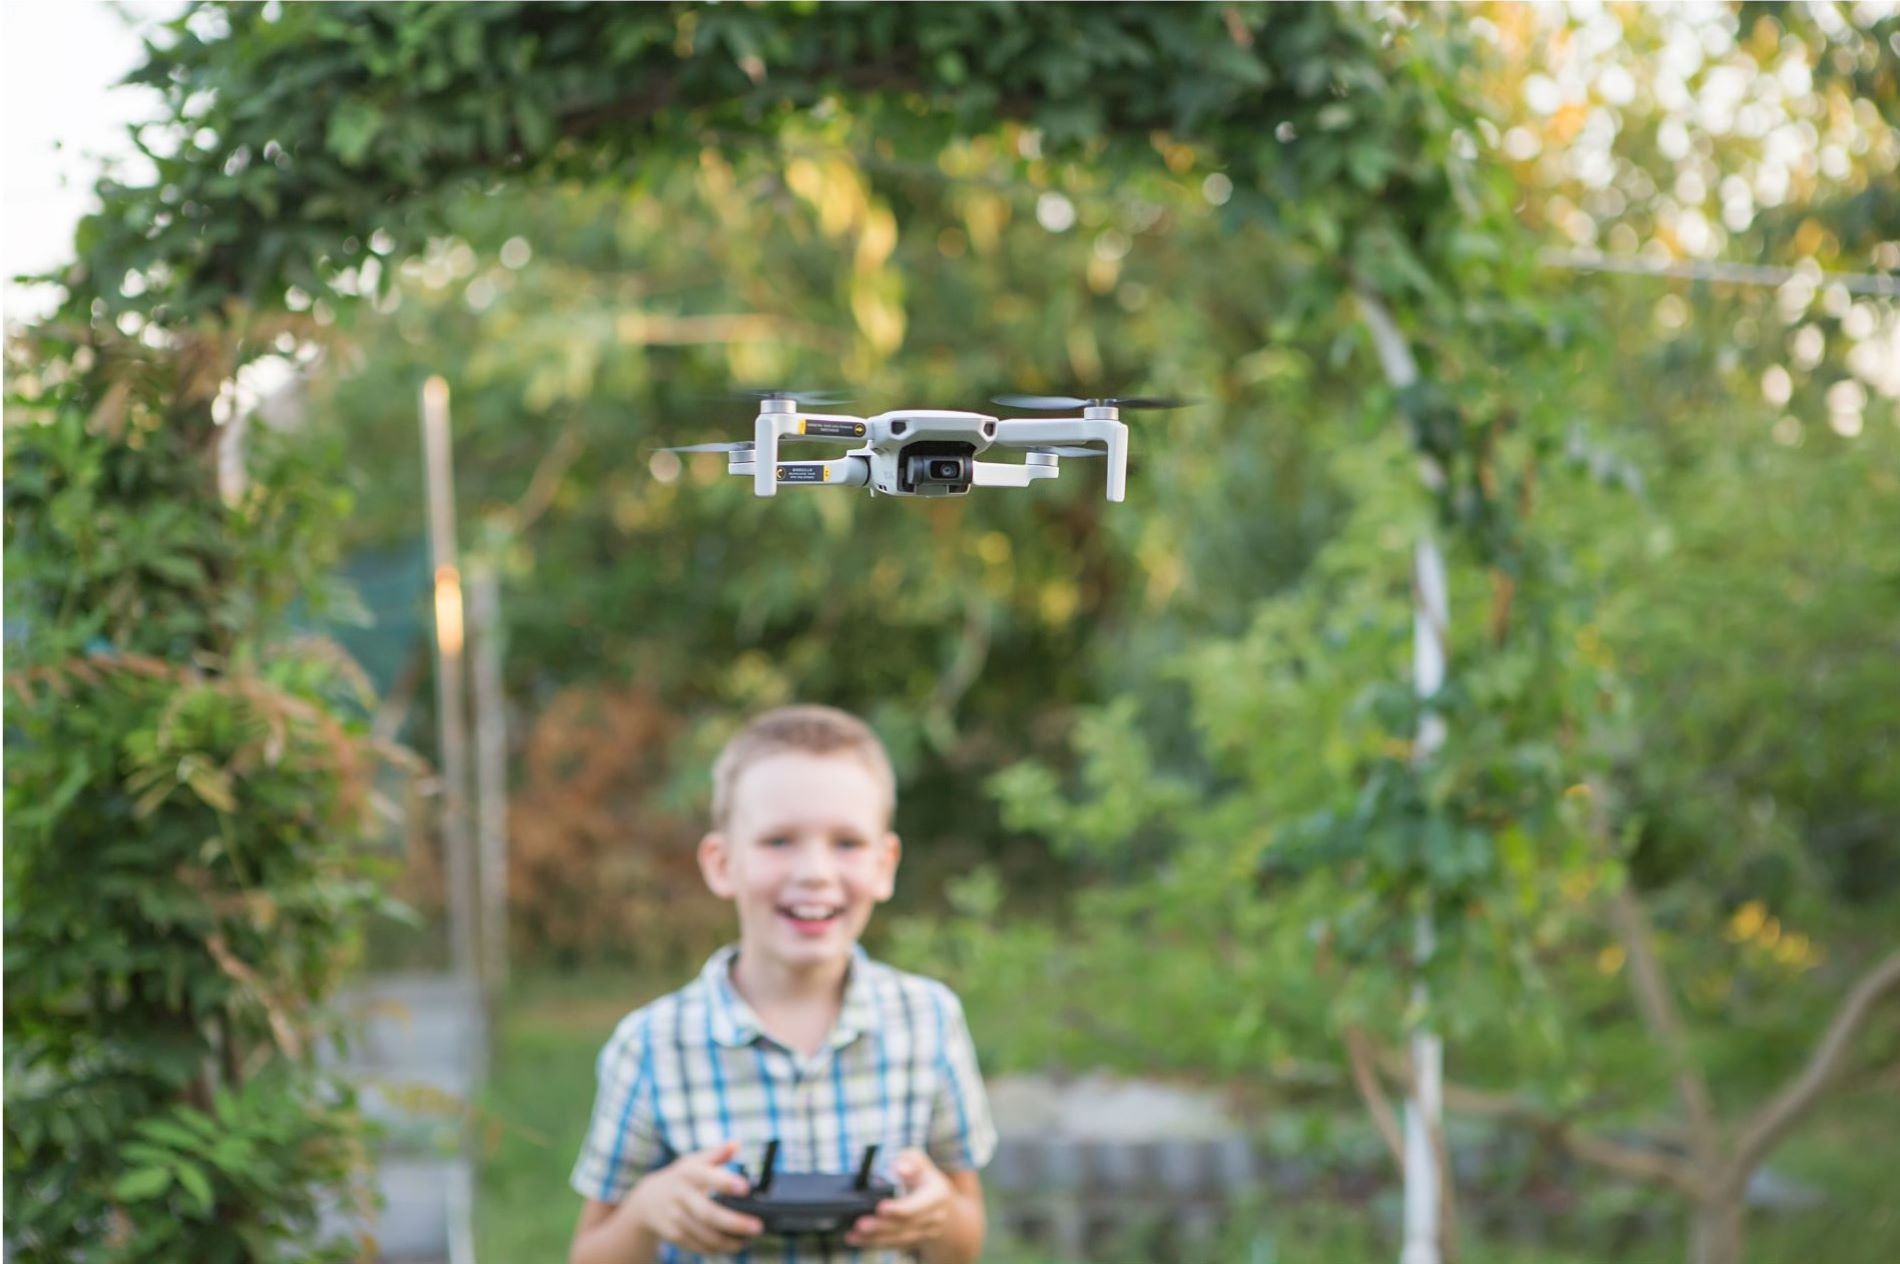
[(850, 841), (777, 840)]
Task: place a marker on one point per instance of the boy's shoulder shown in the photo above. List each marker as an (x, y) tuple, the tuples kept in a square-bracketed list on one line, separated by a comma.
[(900, 995)]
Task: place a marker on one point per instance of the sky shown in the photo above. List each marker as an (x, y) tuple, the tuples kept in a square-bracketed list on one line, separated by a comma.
[(59, 113)]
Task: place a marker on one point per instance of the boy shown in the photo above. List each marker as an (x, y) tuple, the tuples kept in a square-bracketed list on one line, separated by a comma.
[(794, 1035)]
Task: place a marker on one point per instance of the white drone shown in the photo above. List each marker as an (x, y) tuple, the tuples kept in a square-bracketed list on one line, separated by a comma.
[(927, 451)]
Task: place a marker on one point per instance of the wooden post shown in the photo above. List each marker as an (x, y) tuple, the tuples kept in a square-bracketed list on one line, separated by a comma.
[(491, 771), (450, 706)]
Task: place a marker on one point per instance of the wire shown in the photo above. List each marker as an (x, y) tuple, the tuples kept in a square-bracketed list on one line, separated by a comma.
[(1883, 284)]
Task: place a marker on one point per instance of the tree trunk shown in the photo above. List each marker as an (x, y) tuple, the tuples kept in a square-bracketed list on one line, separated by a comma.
[(1715, 1232)]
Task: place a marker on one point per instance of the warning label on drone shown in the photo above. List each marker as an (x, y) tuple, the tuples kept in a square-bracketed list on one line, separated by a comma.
[(832, 429), (817, 473)]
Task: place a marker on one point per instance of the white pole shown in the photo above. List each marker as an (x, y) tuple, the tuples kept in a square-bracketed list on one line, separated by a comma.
[(1424, 1108), (491, 770), (450, 705), (1431, 624)]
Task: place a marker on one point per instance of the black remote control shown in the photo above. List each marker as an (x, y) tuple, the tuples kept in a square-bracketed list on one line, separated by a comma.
[(822, 1203)]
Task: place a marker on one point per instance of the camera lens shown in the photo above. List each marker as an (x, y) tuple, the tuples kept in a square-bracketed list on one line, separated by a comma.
[(945, 471)]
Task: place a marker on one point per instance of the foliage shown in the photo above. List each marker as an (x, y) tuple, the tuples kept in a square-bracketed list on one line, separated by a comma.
[(964, 647), (1253, 185), (1697, 683), (589, 853), (185, 802), (977, 637), (289, 130)]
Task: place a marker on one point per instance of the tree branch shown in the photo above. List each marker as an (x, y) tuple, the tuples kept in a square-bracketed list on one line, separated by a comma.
[(1657, 1005), (1634, 1162), (1656, 1002), (546, 479), (1365, 1078), (973, 650), (1785, 1108)]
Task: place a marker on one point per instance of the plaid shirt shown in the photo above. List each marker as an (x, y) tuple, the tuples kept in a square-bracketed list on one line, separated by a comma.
[(695, 1067)]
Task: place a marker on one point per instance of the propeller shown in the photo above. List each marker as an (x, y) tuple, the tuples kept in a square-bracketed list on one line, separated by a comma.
[(745, 446), (816, 396), (1063, 403), (1047, 450)]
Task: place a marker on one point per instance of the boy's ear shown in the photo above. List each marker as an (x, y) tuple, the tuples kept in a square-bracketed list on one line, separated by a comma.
[(893, 848), (715, 864)]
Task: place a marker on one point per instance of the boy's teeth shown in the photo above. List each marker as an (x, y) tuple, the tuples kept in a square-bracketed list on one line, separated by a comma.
[(809, 912)]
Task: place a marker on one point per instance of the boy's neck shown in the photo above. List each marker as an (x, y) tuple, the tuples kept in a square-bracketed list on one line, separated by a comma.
[(769, 985)]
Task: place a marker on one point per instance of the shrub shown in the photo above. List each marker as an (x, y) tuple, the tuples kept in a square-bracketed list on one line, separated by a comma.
[(187, 792)]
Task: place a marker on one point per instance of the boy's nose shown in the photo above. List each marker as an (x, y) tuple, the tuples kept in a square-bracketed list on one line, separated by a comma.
[(813, 860)]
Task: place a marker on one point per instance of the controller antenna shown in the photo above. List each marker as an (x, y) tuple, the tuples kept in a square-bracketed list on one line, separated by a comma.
[(864, 1168), (771, 1161)]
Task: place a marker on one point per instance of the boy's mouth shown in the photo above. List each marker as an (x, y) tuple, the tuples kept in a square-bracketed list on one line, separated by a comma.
[(811, 918)]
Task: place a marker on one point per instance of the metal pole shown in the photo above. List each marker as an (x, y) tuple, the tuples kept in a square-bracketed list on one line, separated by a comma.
[(1424, 1108), (450, 706), (1431, 624), (491, 771)]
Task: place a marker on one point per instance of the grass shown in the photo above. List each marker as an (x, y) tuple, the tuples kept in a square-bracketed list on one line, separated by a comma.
[(536, 1105)]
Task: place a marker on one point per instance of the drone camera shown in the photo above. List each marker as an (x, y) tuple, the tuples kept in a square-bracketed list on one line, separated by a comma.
[(938, 470)]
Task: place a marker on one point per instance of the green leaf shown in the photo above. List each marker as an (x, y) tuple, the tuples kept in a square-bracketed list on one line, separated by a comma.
[(533, 125), (142, 1184), (1335, 116), (213, 785), (172, 1133), (196, 1185), (180, 568), (353, 128)]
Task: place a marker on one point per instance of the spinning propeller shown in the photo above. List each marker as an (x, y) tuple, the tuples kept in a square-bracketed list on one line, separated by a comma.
[(744, 446), (1063, 403), (819, 395)]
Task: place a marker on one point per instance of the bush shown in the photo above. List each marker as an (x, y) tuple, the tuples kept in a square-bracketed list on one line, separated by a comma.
[(187, 789)]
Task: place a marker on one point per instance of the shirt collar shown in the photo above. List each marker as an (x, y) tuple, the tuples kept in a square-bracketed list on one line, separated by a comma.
[(735, 1023)]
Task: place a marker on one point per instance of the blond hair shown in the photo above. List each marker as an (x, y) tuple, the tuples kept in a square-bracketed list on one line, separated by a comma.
[(805, 730)]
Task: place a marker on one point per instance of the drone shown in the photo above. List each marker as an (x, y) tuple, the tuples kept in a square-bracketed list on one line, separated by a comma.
[(927, 451)]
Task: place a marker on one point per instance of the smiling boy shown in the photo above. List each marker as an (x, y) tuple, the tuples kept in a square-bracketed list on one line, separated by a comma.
[(793, 1035)]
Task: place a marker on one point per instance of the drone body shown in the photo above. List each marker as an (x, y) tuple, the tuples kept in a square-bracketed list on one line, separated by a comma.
[(922, 451)]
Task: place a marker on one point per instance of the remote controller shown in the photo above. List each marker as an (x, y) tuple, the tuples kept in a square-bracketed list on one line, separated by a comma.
[(822, 1203)]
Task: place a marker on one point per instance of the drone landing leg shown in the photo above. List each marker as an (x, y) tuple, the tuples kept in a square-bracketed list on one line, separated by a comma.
[(773, 421), (1024, 431)]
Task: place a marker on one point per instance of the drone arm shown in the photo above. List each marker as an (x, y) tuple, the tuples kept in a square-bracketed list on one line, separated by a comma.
[(1027, 432), (772, 426), (1009, 474), (846, 471)]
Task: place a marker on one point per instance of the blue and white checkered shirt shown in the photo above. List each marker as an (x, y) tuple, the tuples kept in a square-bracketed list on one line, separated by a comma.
[(695, 1068)]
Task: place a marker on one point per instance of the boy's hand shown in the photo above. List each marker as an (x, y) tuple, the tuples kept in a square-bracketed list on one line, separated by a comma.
[(914, 1219), (676, 1202)]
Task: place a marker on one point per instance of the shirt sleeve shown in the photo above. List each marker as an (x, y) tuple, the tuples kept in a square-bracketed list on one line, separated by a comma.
[(623, 1137), (962, 1135)]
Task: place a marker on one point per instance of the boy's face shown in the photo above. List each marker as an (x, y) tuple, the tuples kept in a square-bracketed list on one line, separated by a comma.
[(806, 855)]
